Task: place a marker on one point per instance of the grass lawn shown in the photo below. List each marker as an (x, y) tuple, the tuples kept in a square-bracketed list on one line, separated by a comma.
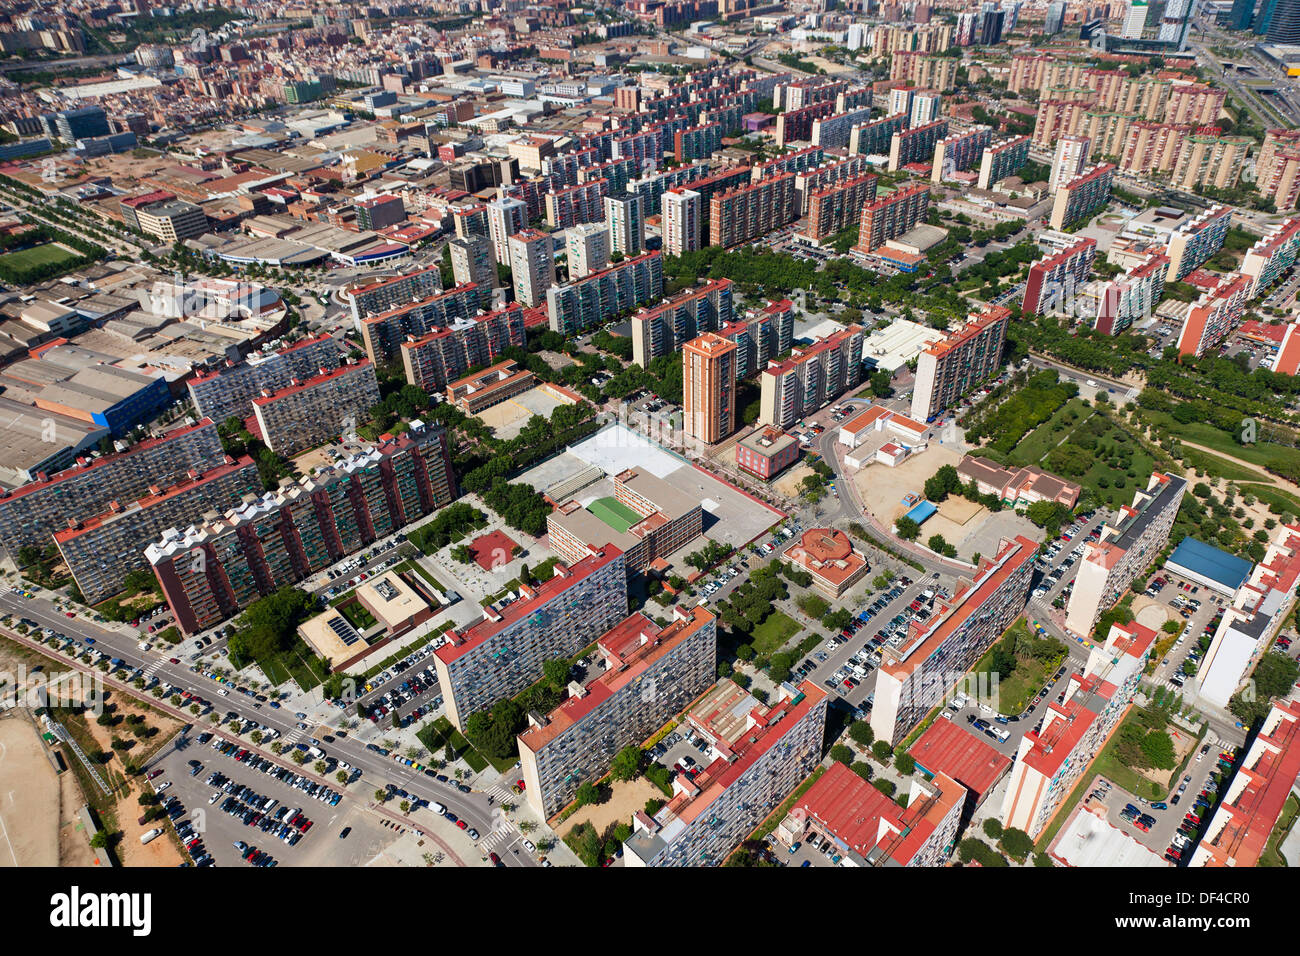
[(1218, 467), (776, 629), (1017, 690), (1257, 453), (419, 569), (357, 615), (1048, 435), (1284, 500), (1272, 855), (37, 256)]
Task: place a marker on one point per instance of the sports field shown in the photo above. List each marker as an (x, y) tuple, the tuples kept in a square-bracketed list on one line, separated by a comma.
[(36, 256), (614, 513)]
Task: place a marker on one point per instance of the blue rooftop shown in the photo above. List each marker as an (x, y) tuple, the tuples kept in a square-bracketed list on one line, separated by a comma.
[(922, 511), (1210, 562)]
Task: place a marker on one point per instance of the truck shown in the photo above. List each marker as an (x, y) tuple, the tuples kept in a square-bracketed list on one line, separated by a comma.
[(150, 835)]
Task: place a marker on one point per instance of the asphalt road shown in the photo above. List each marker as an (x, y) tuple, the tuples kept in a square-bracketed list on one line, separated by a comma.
[(475, 808)]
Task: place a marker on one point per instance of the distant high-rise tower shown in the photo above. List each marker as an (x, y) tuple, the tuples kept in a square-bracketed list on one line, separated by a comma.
[(471, 261), (1242, 14), (505, 217), (1284, 25), (1055, 21), (1135, 20), (587, 246)]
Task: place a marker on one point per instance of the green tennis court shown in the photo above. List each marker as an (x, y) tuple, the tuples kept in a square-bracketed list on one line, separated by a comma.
[(614, 513)]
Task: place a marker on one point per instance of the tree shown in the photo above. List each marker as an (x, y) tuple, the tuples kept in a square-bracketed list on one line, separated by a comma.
[(842, 754), (882, 751), (860, 733), (627, 763), (1017, 843), (587, 794), (905, 764), (907, 528), (993, 828)]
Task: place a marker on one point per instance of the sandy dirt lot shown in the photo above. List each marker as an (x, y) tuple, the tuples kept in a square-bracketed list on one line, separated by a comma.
[(1148, 612), (626, 799), (787, 485), (29, 797), (882, 488)]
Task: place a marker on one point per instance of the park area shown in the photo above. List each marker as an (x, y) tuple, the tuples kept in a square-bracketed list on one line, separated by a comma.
[(1081, 444), (1023, 661)]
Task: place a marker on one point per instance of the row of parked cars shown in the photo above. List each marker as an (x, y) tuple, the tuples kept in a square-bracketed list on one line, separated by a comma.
[(253, 856), (192, 839), (286, 776)]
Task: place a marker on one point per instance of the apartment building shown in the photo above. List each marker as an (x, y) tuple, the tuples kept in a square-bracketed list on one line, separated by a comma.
[(652, 186), (576, 204), (916, 144), (1153, 147), (697, 142), (1121, 301), (587, 302), (709, 388), (1194, 241), (1127, 544), (830, 173), (1051, 760), (1272, 256), (1082, 196), (760, 335), (874, 138), (959, 152), (230, 389), (664, 328), (31, 513), (506, 216), (625, 220), (714, 184), (503, 653), (101, 550), (681, 221), (386, 294), (1277, 168), (811, 378), (914, 677), (1056, 279), (1001, 160), (383, 333), (213, 569), (796, 125), (438, 357), (309, 411), (667, 520), (748, 212), (1069, 159), (645, 674), (532, 264), (1195, 103), (832, 132), (471, 264), (587, 248), (965, 357), (1214, 315), (1210, 161), (868, 828), (891, 216), (1239, 830), (924, 70), (835, 208), (765, 752)]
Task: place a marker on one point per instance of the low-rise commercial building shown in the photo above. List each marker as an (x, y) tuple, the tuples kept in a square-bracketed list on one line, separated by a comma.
[(492, 386), (829, 556), (1018, 487)]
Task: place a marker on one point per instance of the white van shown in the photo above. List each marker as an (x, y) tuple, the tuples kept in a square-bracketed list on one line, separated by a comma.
[(150, 835), (438, 808)]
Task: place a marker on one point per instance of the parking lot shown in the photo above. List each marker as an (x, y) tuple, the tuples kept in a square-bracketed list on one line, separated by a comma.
[(1056, 569), (251, 801), (1170, 827), (1198, 610)]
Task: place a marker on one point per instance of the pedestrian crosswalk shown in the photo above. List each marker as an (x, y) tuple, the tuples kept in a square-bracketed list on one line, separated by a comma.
[(499, 793), (495, 839)]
